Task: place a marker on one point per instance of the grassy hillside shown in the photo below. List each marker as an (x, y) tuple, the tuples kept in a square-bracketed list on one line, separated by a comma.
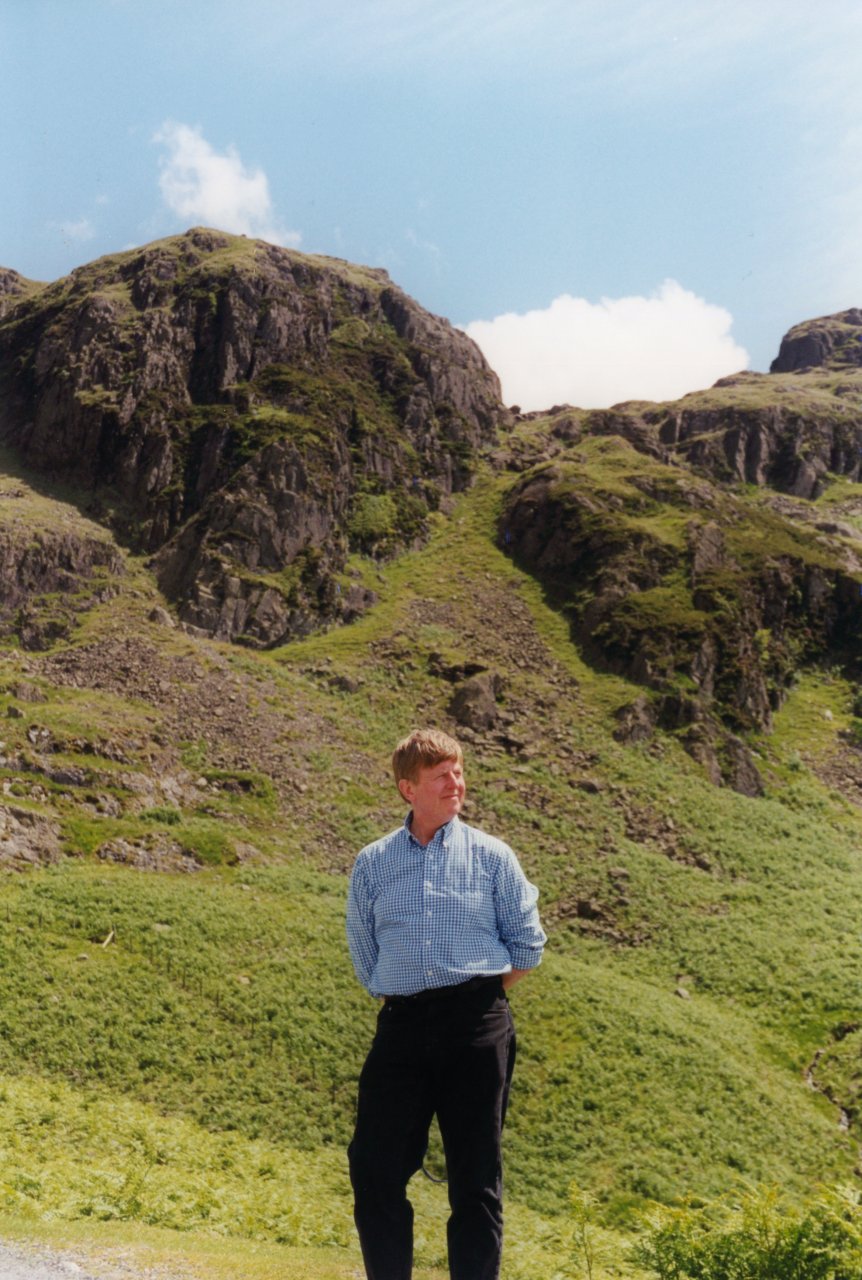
[(180, 1048)]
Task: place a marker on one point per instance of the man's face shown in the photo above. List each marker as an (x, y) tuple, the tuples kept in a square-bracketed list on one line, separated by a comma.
[(437, 794)]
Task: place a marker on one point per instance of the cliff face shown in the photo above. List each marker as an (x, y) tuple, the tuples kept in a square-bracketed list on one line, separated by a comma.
[(14, 287), (246, 414), (829, 340), (47, 577), (55, 565), (705, 597), (697, 546)]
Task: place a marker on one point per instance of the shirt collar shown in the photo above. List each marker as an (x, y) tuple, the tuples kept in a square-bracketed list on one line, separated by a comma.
[(442, 833)]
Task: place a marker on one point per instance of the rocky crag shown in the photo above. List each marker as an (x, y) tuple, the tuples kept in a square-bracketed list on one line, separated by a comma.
[(707, 548), (247, 415)]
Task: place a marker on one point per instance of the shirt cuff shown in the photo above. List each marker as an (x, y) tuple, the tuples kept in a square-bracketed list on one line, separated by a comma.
[(525, 957)]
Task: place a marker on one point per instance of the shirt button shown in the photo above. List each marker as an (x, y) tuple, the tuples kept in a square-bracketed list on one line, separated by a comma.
[(429, 972)]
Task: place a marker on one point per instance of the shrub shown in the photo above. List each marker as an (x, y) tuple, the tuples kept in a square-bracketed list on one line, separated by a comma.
[(373, 520), (165, 814), (759, 1236)]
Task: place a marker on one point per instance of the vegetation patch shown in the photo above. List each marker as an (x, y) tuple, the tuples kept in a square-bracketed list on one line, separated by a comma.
[(757, 1235)]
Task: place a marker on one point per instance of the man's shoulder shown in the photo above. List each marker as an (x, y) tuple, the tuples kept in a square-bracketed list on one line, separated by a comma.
[(383, 845), (486, 843)]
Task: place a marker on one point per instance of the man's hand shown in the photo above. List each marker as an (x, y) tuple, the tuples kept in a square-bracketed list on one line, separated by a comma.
[(513, 976)]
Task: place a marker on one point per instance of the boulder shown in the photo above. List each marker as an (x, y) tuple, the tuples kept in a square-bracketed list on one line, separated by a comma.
[(635, 721), (27, 838), (474, 702)]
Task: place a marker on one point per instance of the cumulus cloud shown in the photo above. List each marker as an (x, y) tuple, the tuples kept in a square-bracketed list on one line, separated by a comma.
[(597, 354), (204, 185)]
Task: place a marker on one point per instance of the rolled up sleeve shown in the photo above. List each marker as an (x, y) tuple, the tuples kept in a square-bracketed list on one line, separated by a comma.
[(515, 899)]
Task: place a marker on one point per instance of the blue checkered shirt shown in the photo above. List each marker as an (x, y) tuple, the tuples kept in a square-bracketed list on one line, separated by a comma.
[(435, 915)]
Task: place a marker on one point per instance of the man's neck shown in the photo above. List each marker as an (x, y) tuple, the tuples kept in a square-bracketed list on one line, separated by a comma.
[(424, 835)]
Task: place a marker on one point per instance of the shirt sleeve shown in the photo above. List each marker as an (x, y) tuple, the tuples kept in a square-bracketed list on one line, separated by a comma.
[(361, 938), (517, 914)]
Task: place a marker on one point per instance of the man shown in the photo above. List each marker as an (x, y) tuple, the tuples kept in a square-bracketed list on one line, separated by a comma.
[(440, 920)]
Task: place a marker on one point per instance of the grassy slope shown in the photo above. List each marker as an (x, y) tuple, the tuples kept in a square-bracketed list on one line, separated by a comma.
[(198, 1071)]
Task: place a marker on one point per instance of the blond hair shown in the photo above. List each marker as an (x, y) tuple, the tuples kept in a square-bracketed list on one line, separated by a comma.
[(422, 749)]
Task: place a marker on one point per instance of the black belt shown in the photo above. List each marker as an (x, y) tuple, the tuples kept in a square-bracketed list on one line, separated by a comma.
[(440, 993)]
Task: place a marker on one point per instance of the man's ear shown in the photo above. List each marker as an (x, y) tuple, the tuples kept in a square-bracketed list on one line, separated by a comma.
[(405, 786)]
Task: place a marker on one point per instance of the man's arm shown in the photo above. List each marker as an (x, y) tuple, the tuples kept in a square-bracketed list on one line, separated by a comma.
[(360, 927), (518, 919), (513, 976)]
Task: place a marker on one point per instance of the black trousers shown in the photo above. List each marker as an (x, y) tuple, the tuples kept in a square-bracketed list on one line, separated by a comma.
[(451, 1054)]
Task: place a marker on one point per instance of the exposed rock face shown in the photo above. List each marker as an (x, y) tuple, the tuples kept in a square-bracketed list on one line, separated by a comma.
[(638, 520), (769, 446), (27, 838), (45, 575), (256, 412), (636, 721), (705, 597), (834, 340), (14, 287), (787, 430), (280, 510)]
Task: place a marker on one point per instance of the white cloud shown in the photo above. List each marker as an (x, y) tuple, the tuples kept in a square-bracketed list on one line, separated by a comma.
[(597, 354), (204, 185), (82, 229)]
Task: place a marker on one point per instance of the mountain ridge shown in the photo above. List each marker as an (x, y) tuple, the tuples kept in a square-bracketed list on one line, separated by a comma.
[(252, 417)]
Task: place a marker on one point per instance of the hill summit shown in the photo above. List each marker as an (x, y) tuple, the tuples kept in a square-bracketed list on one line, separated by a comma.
[(244, 413)]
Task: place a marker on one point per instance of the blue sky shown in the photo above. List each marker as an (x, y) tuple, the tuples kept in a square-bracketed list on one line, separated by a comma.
[(633, 198)]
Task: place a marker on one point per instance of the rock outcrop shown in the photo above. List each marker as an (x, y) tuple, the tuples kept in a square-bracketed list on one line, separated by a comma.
[(834, 340), (706, 597), (246, 414), (47, 577), (684, 541), (14, 287), (789, 430), (27, 839)]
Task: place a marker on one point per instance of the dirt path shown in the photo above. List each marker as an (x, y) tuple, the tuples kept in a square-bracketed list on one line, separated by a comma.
[(39, 1262)]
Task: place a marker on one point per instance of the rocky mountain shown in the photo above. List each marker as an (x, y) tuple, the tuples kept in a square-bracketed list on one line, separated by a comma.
[(250, 417), (245, 414), (710, 547)]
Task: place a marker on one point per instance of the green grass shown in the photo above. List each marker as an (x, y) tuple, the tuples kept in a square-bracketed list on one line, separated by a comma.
[(197, 1074), (190, 1255)]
